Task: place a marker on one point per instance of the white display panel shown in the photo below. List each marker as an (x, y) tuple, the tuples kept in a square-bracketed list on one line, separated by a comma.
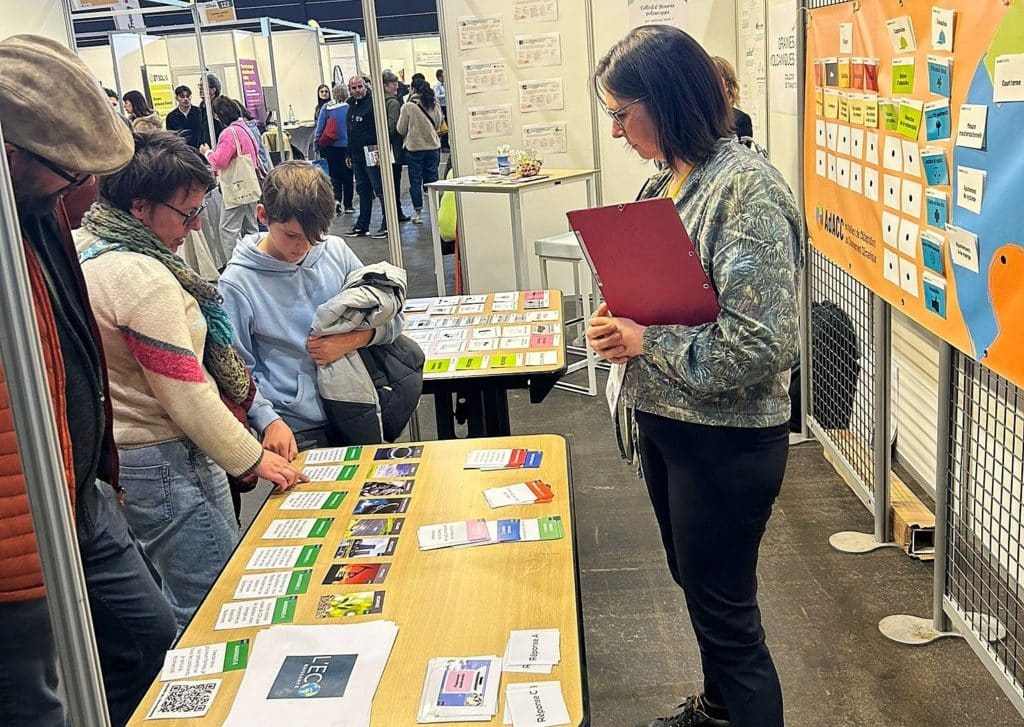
[(42, 17)]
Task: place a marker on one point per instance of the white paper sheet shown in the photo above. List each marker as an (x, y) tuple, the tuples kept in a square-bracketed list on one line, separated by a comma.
[(481, 31), (543, 94), (488, 121), (546, 139), (484, 76), (542, 49)]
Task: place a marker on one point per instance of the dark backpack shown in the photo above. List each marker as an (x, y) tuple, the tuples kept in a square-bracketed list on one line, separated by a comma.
[(835, 368)]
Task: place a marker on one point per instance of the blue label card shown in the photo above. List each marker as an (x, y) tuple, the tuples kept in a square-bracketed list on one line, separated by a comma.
[(937, 121), (939, 75), (931, 253), (935, 294), (937, 209), (936, 169)]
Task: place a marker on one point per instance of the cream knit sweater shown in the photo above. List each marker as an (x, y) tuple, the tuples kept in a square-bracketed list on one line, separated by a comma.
[(154, 335)]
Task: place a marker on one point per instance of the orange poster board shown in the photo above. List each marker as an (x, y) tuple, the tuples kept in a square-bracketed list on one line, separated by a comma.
[(913, 194)]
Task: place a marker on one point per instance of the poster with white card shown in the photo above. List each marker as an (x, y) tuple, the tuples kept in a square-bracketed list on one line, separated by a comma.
[(891, 196), (1009, 78), (831, 135), (891, 269), (890, 229), (871, 183), (846, 38), (843, 142), (535, 11), (893, 154), (963, 247), (484, 76), (820, 162), (544, 94), (819, 132), (487, 31), (912, 198), (908, 238), (871, 144), (970, 188), (857, 143), (908, 277), (901, 34), (971, 126), (542, 49), (488, 121), (856, 178), (843, 172), (546, 138), (911, 158)]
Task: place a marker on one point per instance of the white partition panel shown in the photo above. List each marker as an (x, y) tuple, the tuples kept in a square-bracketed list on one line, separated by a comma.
[(426, 56), (343, 56), (784, 136), (40, 17), (486, 219), (100, 61), (297, 59), (128, 61)]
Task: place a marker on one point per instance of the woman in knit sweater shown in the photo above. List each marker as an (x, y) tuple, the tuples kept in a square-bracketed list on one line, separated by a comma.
[(174, 377), (142, 117), (418, 124)]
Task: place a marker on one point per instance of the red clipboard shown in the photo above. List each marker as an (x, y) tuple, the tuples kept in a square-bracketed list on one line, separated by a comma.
[(645, 263)]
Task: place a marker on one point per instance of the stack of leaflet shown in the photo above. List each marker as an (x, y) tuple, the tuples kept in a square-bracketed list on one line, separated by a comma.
[(523, 493), (460, 689), (488, 532), (532, 650), (537, 704), (502, 459), (313, 675)]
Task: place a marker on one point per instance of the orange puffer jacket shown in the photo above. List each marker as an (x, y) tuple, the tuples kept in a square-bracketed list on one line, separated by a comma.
[(21, 576)]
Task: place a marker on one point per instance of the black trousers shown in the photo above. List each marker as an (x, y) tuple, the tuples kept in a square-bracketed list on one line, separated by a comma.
[(341, 174), (396, 174), (712, 489)]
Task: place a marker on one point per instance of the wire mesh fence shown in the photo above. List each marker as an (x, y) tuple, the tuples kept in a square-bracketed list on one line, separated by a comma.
[(984, 531), (842, 367)]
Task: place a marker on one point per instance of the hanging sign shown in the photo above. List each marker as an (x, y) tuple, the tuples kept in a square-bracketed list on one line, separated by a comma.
[(217, 11), (659, 12), (252, 89), (161, 93)]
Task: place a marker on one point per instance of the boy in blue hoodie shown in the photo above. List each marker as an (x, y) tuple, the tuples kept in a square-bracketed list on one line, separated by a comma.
[(272, 287)]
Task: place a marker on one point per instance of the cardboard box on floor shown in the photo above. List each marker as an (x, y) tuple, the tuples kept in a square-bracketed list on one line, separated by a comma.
[(913, 524)]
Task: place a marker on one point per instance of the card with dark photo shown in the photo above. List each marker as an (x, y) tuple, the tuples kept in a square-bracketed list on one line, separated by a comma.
[(356, 574), (374, 526), (366, 547), (398, 452), (314, 676), (375, 506), (387, 488)]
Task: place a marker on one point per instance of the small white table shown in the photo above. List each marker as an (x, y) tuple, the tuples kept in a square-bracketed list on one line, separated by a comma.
[(514, 189)]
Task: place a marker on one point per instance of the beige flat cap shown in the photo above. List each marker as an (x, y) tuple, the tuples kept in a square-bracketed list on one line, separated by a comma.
[(51, 104)]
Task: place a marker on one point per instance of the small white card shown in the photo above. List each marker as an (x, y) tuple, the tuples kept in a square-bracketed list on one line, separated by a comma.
[(184, 700), (542, 315), (199, 661), (943, 26), (901, 33), (908, 238), (1009, 78), (871, 145), (832, 135), (243, 614), (265, 585), (519, 494), (856, 178), (892, 192), (310, 500), (515, 331), (282, 556), (449, 346), (468, 309), (289, 529), (890, 229), (846, 38), (472, 299), (891, 270), (843, 143), (820, 162), (832, 168), (503, 305), (970, 131), (483, 344), (893, 157), (843, 172), (857, 143), (819, 132), (908, 277), (533, 646), (963, 247), (539, 704), (324, 456), (486, 332), (518, 342), (911, 159), (913, 197), (541, 358), (871, 184), (970, 188)]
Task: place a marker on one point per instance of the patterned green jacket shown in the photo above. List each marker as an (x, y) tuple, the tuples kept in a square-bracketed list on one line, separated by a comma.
[(750, 236)]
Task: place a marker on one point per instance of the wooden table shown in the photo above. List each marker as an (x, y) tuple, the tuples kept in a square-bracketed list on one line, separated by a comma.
[(481, 394), (452, 602), (497, 184)]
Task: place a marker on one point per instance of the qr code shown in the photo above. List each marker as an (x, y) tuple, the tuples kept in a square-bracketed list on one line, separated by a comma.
[(184, 699)]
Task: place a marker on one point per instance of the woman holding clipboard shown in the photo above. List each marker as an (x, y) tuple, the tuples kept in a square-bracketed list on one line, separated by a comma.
[(709, 402)]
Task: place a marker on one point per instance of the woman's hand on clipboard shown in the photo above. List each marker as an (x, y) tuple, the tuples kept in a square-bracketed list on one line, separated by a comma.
[(616, 340)]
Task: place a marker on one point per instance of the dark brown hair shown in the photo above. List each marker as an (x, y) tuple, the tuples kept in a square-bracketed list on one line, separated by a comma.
[(678, 84), (298, 190), (163, 165), (729, 81), (226, 110)]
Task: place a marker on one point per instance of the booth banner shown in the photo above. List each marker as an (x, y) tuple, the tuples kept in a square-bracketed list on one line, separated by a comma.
[(914, 161), (217, 11), (782, 62), (659, 12), (161, 93), (252, 90)]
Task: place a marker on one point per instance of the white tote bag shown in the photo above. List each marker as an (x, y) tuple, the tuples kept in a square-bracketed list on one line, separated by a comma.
[(238, 182)]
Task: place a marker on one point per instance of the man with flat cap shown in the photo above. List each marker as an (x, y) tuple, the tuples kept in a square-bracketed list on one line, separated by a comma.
[(52, 150)]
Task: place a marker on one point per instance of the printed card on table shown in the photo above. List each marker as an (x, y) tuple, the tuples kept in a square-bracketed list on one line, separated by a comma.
[(291, 528), (279, 583), (334, 454), (262, 612), (542, 358), (330, 473), (400, 451), (366, 548), (313, 500), (540, 704), (356, 574), (293, 680), (287, 556), (381, 506), (506, 361), (385, 471), (366, 527), (340, 605), (386, 488), (184, 700), (198, 661), (438, 365)]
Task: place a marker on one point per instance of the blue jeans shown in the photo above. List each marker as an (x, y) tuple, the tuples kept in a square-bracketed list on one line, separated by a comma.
[(132, 622), (422, 170), (368, 186), (178, 504)]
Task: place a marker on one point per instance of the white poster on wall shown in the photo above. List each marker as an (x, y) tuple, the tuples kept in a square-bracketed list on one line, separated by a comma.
[(483, 76), (546, 138), (427, 58), (544, 94), (659, 12), (487, 121), (481, 32), (536, 11), (782, 73), (543, 49)]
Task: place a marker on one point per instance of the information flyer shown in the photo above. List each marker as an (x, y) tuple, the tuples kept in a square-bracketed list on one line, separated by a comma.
[(484, 76), (481, 32), (488, 121), (541, 95), (546, 138), (536, 11), (544, 49)]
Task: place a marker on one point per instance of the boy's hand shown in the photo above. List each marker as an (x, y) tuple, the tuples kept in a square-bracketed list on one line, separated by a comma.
[(278, 438), (328, 349)]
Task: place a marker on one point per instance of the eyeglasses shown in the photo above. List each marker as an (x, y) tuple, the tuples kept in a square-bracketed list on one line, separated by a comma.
[(187, 218), (75, 180), (616, 114)]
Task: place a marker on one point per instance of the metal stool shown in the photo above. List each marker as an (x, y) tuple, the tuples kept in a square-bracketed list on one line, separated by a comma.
[(566, 248)]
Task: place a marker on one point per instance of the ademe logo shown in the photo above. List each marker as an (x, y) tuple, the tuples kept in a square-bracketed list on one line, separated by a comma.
[(830, 222)]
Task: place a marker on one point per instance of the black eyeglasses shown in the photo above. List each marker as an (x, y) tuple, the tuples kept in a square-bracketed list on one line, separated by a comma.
[(616, 114), (76, 180), (187, 218)]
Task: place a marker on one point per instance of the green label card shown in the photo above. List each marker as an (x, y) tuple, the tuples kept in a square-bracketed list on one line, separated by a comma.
[(333, 501), (506, 361), (551, 528), (298, 582), (320, 527), (910, 116), (437, 366), (284, 610), (352, 454), (237, 655), (347, 472), (903, 71), (469, 363), (307, 556), (890, 116)]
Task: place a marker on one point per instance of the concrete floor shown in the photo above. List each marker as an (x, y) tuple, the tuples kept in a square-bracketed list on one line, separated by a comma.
[(821, 608)]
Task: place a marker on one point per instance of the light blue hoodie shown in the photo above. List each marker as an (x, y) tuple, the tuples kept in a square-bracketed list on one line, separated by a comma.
[(271, 304)]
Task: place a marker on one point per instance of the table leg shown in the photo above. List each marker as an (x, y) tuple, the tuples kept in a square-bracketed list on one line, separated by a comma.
[(444, 415), (435, 234), (520, 261), (496, 421)]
